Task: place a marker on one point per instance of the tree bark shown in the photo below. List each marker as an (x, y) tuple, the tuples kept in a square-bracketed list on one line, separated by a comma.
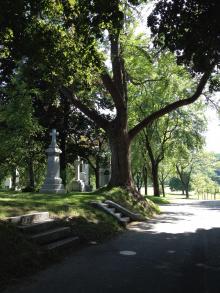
[(185, 179), (13, 187), (63, 157), (154, 167), (120, 157), (97, 172), (163, 189), (63, 137), (145, 180), (31, 174), (155, 179), (187, 191)]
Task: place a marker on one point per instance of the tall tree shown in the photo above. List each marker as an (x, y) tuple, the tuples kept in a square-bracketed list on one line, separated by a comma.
[(73, 33)]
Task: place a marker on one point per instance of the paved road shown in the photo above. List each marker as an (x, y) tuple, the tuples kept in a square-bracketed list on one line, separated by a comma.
[(178, 251)]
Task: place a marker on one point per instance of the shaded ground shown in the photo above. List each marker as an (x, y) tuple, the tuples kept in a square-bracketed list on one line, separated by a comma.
[(179, 251)]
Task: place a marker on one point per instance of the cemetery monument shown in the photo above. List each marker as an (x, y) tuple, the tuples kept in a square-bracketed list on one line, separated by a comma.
[(53, 182)]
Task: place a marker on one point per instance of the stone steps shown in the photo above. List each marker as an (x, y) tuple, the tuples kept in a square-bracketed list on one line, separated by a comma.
[(67, 242), (133, 216), (38, 227), (111, 209), (122, 215), (29, 218), (50, 234)]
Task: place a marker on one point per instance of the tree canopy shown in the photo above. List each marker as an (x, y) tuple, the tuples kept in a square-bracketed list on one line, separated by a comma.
[(77, 49)]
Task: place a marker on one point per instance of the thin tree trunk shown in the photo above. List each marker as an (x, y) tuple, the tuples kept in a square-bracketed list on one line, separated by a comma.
[(31, 174), (13, 187), (63, 137), (145, 180), (163, 189), (97, 185), (187, 192), (63, 158), (97, 169)]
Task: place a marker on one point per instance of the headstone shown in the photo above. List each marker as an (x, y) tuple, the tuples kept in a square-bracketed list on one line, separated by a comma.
[(84, 176), (17, 178), (53, 182), (77, 184), (81, 180), (104, 176), (7, 184)]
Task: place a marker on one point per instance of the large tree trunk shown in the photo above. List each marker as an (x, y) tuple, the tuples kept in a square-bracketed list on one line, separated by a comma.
[(155, 179), (120, 157)]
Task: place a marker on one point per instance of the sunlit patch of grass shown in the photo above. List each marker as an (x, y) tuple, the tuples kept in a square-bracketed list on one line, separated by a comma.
[(13, 204), (144, 207), (157, 199)]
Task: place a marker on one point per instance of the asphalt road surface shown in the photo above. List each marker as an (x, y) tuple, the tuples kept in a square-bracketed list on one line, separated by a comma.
[(178, 251)]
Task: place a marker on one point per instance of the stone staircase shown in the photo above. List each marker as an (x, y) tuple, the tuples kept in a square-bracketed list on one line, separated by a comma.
[(49, 233), (121, 214)]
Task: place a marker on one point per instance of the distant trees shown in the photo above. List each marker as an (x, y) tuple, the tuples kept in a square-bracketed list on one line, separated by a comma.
[(195, 172), (20, 133)]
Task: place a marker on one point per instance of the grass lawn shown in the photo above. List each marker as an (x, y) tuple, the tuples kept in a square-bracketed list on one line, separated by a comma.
[(158, 199), (59, 205), (20, 257)]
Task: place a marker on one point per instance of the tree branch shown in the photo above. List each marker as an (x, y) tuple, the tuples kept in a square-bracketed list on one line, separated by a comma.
[(171, 107), (91, 164), (90, 113), (111, 88), (139, 82)]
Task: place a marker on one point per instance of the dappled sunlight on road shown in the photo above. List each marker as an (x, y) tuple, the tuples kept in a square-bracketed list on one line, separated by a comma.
[(181, 217)]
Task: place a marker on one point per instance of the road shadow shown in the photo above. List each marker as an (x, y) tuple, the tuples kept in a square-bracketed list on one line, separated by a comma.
[(180, 263)]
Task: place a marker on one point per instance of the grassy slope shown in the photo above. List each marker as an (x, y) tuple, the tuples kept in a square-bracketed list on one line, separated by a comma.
[(19, 256)]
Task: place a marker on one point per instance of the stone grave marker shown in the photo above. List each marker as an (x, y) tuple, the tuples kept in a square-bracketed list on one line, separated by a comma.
[(53, 182)]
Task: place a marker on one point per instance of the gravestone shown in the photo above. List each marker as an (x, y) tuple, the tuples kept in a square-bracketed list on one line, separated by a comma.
[(7, 184), (17, 180), (104, 176), (77, 184), (53, 182), (81, 180), (84, 176)]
